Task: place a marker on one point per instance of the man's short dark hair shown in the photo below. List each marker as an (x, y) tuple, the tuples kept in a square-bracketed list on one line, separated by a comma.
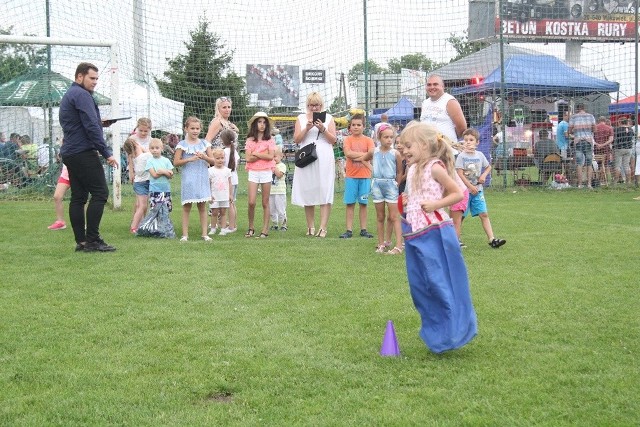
[(543, 133), (602, 119), (579, 107), (84, 67)]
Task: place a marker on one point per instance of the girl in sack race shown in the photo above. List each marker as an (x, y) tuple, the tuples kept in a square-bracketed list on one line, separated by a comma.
[(436, 271)]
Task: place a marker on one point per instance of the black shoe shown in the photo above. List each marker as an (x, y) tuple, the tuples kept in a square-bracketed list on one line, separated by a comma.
[(98, 245), (365, 233), (496, 243), (346, 235), (80, 247)]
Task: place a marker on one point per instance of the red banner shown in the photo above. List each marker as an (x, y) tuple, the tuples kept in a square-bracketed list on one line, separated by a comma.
[(560, 29)]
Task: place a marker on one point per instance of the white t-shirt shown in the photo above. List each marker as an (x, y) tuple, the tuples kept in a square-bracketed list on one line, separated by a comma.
[(435, 113)]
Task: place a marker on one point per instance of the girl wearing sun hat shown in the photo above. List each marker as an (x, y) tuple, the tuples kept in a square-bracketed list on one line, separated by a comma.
[(260, 149)]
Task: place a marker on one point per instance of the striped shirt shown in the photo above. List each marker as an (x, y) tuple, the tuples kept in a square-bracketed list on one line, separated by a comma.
[(581, 126)]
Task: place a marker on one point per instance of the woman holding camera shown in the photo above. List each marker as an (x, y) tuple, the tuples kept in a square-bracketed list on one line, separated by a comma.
[(313, 185)]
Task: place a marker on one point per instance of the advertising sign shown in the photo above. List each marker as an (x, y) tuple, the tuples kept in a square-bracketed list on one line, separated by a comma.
[(313, 76), (560, 29), (273, 85), (557, 20)]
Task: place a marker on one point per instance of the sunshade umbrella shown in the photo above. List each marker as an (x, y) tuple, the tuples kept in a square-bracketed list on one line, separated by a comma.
[(39, 88)]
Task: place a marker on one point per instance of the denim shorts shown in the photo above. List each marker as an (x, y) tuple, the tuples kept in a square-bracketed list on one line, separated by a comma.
[(141, 188), (384, 190), (584, 153)]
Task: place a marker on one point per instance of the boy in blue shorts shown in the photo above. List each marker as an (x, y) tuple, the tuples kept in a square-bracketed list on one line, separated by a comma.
[(472, 167), (358, 149)]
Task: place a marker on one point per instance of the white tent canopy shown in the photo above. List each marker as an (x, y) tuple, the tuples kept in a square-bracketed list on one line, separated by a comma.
[(140, 100), (27, 121)]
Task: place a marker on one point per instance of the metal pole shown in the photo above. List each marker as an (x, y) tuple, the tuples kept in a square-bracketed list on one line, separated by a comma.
[(636, 71), (503, 91), (635, 98), (51, 148), (366, 66), (115, 128)]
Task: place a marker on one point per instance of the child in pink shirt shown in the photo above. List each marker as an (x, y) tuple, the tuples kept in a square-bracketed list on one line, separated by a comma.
[(260, 149)]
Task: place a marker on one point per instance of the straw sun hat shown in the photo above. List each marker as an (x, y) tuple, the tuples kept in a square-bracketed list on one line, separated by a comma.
[(258, 115)]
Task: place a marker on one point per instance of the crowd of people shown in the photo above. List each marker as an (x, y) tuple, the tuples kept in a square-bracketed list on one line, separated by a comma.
[(593, 152), (22, 159)]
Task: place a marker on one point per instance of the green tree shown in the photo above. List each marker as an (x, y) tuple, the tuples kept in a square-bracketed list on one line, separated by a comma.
[(358, 69), (413, 61), (463, 46), (338, 105), (202, 75), (17, 59)]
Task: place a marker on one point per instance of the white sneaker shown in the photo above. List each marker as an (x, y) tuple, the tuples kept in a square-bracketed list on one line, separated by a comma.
[(231, 230), (223, 231), (213, 231)]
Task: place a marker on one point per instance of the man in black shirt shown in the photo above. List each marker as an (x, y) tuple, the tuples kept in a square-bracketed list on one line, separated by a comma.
[(623, 140)]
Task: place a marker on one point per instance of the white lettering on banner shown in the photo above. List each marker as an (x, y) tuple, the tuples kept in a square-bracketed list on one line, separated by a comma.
[(23, 88), (564, 28), (561, 29), (612, 29), (313, 76), (515, 27)]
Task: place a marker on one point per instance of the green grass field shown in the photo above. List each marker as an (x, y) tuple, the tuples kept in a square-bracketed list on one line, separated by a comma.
[(287, 330)]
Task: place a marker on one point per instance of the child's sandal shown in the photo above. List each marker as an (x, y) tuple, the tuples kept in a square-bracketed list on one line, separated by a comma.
[(380, 249), (395, 251), (249, 233), (262, 236)]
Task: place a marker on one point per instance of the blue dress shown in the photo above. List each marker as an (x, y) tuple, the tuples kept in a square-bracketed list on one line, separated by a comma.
[(195, 176)]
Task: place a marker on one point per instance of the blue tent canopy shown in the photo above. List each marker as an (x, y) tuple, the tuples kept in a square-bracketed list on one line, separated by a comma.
[(624, 106), (539, 75), (402, 112)]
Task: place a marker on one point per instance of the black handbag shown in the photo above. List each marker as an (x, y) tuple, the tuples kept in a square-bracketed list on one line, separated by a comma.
[(306, 155)]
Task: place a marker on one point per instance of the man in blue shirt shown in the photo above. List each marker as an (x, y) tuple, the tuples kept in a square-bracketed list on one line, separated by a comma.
[(83, 140), (562, 136)]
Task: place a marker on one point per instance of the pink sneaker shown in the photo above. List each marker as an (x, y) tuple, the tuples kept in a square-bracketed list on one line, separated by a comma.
[(58, 225)]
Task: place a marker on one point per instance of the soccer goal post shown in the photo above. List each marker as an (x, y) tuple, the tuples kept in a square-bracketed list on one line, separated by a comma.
[(114, 90)]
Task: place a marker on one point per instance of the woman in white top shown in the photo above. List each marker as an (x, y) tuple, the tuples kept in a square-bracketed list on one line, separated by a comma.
[(313, 184), (220, 122)]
